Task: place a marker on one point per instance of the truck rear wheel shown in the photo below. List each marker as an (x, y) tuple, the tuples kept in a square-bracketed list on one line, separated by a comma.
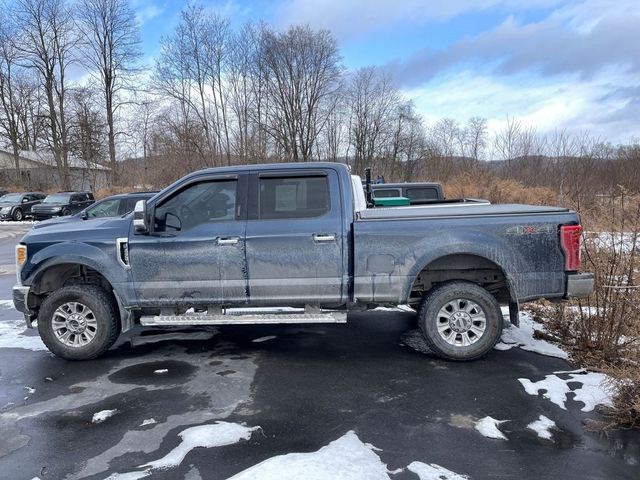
[(460, 321), (78, 322)]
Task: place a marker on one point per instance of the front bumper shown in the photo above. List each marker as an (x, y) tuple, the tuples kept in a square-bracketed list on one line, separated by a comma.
[(21, 303), (44, 215), (579, 285)]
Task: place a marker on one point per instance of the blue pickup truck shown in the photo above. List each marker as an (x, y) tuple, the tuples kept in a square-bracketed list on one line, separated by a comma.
[(300, 236)]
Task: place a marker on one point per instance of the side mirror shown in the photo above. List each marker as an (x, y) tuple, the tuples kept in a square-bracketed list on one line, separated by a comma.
[(140, 223), (25, 200)]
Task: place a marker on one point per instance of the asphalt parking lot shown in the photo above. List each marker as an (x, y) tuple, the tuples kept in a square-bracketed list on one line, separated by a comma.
[(354, 398)]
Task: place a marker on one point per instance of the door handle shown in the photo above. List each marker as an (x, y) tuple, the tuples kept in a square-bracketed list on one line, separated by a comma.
[(324, 237), (228, 240)]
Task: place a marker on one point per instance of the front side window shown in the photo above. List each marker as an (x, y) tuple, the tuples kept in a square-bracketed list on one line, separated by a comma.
[(294, 197), (204, 202)]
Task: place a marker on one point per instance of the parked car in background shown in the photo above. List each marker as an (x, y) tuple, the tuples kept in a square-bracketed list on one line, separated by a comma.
[(417, 193), (62, 204), (113, 206), (3, 192), (17, 206)]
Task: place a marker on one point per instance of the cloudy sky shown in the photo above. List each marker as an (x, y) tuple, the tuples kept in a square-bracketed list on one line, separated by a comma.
[(571, 65)]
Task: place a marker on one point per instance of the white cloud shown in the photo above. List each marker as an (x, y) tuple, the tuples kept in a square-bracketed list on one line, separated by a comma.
[(146, 10), (568, 102), (349, 19)]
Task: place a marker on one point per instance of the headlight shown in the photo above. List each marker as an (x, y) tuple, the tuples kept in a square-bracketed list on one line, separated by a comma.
[(5, 209)]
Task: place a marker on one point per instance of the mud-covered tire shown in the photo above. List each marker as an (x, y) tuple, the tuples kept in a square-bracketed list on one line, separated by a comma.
[(102, 314), (455, 298), (17, 214)]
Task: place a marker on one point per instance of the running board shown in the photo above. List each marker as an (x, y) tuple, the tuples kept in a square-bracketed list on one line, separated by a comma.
[(241, 318)]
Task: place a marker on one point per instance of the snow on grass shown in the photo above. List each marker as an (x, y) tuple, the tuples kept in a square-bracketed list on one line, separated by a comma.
[(432, 471), (102, 415), (522, 337), (148, 421), (346, 458), (264, 339), (592, 391), (129, 475), (30, 390), (12, 336), (543, 427), (206, 436), (488, 427)]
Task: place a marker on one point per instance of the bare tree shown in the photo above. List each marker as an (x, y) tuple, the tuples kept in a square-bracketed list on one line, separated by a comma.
[(10, 118), (110, 37), (46, 44), (373, 101), (302, 70), (476, 132)]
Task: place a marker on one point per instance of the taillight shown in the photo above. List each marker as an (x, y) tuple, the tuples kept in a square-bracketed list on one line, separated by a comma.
[(571, 242)]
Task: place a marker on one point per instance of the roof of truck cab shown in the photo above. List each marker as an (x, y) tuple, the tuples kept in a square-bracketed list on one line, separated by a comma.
[(270, 166)]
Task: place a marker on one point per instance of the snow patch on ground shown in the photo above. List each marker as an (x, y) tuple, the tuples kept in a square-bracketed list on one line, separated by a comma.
[(399, 308), (432, 471), (163, 337), (161, 371), (102, 415), (543, 427), (264, 339), (205, 436), (6, 304), (12, 336), (522, 337), (592, 392), (128, 475), (347, 458), (148, 421), (488, 427)]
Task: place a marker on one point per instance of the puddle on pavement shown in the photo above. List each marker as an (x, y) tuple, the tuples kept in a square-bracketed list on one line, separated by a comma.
[(154, 373)]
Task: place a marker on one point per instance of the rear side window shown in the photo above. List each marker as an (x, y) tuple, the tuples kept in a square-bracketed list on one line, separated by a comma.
[(422, 193), (386, 193), (294, 197)]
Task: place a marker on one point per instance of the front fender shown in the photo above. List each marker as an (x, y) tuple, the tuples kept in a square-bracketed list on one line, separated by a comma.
[(100, 258)]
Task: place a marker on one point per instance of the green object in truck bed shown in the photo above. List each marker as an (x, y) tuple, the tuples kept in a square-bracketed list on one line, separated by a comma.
[(391, 202)]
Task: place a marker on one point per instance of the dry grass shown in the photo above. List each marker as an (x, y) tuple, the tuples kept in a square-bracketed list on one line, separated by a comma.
[(602, 332), (482, 184)]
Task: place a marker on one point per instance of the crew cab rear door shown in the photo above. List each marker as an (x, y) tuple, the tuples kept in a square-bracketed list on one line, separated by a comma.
[(294, 237), (194, 254)]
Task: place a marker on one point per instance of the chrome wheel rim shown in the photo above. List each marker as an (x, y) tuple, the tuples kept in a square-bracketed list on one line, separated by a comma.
[(74, 324), (461, 322)]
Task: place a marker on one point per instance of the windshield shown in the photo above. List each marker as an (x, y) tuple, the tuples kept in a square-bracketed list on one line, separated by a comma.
[(106, 208), (57, 198), (11, 197)]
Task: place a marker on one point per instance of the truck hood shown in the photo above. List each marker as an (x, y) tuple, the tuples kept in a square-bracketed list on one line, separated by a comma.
[(57, 220), (97, 230)]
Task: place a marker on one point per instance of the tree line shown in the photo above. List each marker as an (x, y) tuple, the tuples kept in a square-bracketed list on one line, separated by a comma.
[(72, 83)]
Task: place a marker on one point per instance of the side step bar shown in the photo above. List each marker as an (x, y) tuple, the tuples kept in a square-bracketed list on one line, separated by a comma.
[(242, 318)]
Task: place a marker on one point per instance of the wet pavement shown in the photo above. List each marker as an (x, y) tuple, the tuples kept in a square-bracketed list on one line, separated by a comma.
[(304, 386)]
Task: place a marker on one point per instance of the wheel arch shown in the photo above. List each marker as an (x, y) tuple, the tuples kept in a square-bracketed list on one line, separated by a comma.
[(468, 266)]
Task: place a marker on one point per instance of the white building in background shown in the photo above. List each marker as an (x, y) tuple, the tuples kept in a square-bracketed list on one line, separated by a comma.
[(39, 171)]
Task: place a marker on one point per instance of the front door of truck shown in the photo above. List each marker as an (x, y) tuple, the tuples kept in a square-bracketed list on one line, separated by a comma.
[(294, 238), (194, 254)]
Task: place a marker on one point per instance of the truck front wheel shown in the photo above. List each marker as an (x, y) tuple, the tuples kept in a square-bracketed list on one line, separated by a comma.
[(78, 322), (460, 321)]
